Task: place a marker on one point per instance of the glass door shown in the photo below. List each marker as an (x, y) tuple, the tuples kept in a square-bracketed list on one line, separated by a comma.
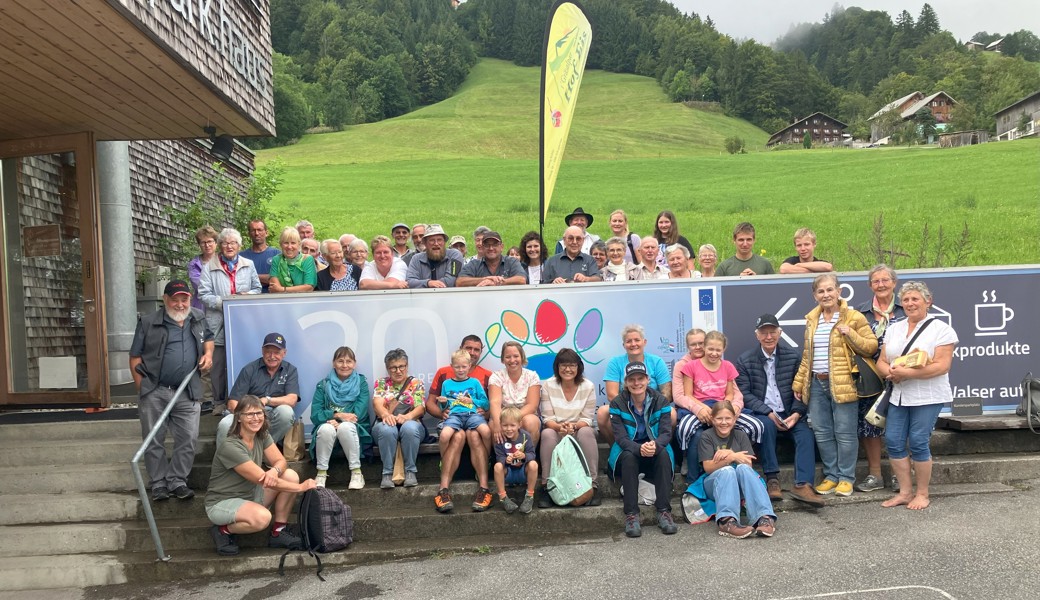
[(50, 284)]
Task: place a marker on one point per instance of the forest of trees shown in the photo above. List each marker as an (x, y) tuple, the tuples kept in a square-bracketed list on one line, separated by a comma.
[(341, 62)]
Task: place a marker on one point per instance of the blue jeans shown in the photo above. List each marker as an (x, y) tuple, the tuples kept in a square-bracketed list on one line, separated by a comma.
[(804, 448), (464, 421), (410, 435), (834, 425), (910, 425), (726, 485)]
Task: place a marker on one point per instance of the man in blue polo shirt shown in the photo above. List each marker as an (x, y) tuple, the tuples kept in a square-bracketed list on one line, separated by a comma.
[(272, 379), (633, 338)]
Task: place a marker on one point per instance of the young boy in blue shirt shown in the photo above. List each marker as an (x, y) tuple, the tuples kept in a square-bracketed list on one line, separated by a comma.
[(462, 403), (514, 462)]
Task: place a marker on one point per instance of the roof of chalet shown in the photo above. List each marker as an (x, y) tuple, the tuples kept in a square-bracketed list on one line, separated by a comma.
[(974, 43), (800, 121), (923, 102), (1017, 102), (994, 43), (893, 105)]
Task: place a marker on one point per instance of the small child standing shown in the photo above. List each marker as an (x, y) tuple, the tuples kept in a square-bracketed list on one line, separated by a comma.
[(514, 462)]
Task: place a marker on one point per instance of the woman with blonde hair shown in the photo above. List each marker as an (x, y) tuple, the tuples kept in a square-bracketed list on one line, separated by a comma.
[(292, 270), (619, 229)]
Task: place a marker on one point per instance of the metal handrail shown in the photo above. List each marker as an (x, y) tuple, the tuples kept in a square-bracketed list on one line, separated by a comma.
[(136, 468)]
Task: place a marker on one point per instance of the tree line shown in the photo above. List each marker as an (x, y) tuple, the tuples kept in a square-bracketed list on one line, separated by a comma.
[(341, 62)]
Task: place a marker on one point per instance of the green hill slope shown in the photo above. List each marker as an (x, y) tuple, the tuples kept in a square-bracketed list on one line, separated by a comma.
[(495, 115)]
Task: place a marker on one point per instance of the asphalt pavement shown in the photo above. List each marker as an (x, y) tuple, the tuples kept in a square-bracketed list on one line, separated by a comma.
[(964, 547)]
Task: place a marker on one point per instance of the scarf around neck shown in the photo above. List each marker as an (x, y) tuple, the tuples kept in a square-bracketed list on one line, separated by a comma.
[(341, 392), (885, 315), (284, 275)]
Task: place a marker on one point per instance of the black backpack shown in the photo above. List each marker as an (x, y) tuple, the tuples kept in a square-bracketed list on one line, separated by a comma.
[(325, 525)]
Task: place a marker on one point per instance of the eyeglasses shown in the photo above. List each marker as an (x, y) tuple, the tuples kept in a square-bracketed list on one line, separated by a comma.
[(880, 281), (569, 367), (252, 416), (397, 368), (228, 244)]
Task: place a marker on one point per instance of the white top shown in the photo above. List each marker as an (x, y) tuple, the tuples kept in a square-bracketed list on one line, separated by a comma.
[(398, 271), (514, 394), (554, 405), (918, 392), (534, 274), (639, 272)]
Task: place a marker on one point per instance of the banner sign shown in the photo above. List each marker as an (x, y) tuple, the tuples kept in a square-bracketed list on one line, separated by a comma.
[(988, 308), (568, 35)]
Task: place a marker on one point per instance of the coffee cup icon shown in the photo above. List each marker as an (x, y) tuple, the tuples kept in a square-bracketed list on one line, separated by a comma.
[(992, 318)]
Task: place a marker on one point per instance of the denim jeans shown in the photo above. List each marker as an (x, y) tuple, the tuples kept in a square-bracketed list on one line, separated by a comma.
[(325, 439), (910, 425), (410, 435), (804, 448), (834, 425), (726, 485), (279, 420)]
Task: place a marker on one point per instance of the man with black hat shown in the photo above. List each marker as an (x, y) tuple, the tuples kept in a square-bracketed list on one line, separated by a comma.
[(168, 344), (764, 376), (492, 268), (272, 379), (582, 219), (438, 266)]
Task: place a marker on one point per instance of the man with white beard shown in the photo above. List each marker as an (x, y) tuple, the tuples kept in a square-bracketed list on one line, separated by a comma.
[(168, 344)]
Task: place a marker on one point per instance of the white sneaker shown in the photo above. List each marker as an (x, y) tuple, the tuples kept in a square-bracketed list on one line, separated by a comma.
[(357, 481), (320, 480)]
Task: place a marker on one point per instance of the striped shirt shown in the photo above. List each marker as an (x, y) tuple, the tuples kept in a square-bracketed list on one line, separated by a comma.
[(822, 344)]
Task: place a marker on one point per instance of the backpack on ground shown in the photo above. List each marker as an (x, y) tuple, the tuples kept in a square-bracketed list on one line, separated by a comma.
[(325, 525), (570, 479), (1029, 407)]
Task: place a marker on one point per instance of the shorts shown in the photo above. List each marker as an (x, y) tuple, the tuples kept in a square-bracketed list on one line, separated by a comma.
[(516, 475), (466, 421), (223, 512)]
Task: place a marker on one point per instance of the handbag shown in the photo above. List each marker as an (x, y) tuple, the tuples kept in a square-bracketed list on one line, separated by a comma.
[(292, 445), (399, 409), (877, 414), (869, 382)]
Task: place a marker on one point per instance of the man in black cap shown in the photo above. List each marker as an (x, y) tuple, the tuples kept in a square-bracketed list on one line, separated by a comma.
[(492, 268), (168, 344), (582, 219), (764, 376), (272, 379)]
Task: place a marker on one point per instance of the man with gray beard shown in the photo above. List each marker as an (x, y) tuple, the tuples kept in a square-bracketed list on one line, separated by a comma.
[(438, 266), (168, 344)]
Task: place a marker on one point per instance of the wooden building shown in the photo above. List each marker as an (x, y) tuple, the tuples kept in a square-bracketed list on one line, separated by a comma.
[(820, 127), (940, 104), (955, 139), (1010, 118)]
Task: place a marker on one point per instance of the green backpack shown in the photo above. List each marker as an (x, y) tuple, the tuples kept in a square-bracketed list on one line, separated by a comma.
[(570, 479)]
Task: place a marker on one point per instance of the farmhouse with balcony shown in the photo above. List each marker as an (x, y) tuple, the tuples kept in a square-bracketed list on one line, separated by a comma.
[(820, 127)]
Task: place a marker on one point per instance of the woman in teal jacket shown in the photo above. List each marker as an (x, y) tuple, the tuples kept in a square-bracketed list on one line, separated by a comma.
[(339, 412)]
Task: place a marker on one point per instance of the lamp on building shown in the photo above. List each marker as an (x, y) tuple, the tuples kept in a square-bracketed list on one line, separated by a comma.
[(221, 146)]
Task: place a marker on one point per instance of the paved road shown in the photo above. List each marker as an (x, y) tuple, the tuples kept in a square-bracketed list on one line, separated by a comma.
[(984, 546)]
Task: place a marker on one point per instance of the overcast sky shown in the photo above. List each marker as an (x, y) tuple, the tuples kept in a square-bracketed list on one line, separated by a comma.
[(766, 20)]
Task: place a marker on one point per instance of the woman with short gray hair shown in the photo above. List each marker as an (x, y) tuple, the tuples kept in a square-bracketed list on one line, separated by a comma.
[(398, 404), (707, 260)]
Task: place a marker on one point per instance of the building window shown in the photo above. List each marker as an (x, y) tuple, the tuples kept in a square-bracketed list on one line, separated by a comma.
[(816, 131)]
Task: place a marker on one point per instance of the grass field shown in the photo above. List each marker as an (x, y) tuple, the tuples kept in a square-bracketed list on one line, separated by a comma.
[(472, 160)]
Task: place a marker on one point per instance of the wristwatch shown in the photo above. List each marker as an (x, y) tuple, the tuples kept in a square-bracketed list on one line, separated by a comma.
[(267, 400)]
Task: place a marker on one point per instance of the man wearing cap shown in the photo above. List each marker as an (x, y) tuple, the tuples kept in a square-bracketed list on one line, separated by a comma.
[(399, 233), (272, 379), (438, 266), (642, 424), (168, 344), (572, 265), (582, 219), (492, 268), (458, 242), (764, 376)]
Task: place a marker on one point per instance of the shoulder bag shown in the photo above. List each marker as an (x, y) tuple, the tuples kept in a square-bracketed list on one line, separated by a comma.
[(876, 415), (1029, 407)]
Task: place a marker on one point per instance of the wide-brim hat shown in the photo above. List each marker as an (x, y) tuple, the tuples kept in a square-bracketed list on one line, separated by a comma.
[(578, 212)]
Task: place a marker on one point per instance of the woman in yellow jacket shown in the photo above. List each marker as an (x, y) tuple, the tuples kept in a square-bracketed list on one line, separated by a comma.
[(833, 331)]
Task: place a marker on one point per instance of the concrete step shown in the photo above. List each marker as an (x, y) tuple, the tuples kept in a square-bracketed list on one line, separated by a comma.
[(26, 453), (25, 509)]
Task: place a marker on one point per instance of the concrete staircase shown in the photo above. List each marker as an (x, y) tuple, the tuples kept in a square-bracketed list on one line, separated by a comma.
[(71, 516)]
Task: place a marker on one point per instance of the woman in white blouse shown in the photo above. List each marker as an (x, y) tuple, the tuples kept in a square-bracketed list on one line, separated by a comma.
[(568, 407), (517, 387), (918, 392)]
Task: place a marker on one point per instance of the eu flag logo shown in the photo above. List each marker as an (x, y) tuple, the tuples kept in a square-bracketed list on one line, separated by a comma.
[(706, 299)]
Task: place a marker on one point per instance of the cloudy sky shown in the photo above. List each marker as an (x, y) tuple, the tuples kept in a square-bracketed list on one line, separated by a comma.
[(766, 20)]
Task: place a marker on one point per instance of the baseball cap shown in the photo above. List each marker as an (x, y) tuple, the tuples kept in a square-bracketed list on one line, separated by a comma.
[(635, 368), (457, 239), (275, 339), (766, 320), (177, 286), (492, 235), (400, 226)]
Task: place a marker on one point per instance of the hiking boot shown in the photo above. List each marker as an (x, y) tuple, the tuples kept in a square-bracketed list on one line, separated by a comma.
[(443, 501), (286, 539), (765, 527), (826, 487), (508, 504), (410, 480), (387, 483), (544, 500), (843, 489), (730, 527), (357, 481), (527, 505), (667, 523), (160, 493), (206, 407), (871, 483), (632, 527), (803, 492), (225, 542), (481, 500), (183, 492), (773, 489)]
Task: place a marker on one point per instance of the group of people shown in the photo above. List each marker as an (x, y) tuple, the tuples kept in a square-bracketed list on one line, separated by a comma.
[(722, 417)]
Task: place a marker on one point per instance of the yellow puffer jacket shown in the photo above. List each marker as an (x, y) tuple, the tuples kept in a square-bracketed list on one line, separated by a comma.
[(862, 341)]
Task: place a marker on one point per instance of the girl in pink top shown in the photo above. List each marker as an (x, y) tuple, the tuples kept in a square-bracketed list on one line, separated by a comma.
[(711, 377)]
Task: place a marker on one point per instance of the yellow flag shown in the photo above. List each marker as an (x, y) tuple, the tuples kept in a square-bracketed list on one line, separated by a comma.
[(568, 35)]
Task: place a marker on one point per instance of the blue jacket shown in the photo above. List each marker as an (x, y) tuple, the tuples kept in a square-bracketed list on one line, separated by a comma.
[(658, 425), (752, 380)]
